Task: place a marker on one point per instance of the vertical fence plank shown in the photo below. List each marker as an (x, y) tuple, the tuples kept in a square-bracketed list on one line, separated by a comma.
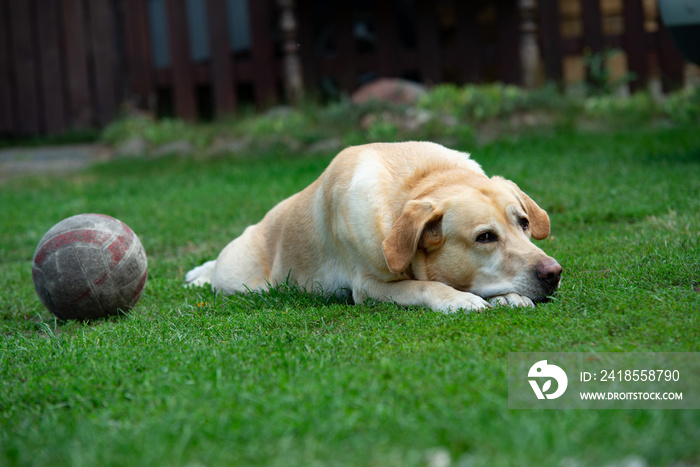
[(138, 51), (635, 43), (509, 41), (345, 54), (468, 43), (221, 58), (51, 76), (80, 112), (592, 29), (306, 39), (6, 113), (262, 51), (670, 60), (550, 39), (102, 32), (181, 68), (592, 25), (387, 38), (428, 42), (25, 67)]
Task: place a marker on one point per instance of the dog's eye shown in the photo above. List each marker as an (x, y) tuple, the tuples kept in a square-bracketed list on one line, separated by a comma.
[(524, 223), (487, 237)]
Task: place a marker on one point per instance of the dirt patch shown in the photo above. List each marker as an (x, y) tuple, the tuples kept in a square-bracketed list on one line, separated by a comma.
[(15, 162)]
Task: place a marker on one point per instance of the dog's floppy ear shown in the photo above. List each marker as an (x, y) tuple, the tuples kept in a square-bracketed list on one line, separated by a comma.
[(419, 225), (539, 220)]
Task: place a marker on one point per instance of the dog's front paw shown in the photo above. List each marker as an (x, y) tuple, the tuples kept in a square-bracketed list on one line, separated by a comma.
[(463, 301), (201, 275), (511, 299)]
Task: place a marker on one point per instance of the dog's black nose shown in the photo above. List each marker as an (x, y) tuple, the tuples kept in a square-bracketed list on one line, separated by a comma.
[(549, 272)]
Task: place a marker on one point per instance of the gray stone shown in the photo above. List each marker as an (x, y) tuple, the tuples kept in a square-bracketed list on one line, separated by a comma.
[(393, 90), (177, 148), (330, 146), (224, 146), (133, 147), (279, 111)]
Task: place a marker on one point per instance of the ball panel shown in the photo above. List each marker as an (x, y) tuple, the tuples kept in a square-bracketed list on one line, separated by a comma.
[(103, 289), (137, 288), (120, 245), (93, 222), (53, 284), (133, 280), (64, 239), (40, 287), (78, 270)]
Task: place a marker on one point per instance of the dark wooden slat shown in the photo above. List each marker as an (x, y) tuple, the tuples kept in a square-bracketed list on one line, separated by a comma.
[(221, 58), (387, 38), (614, 42), (572, 45), (327, 66), (138, 51), (509, 41), (576, 45), (366, 63), (25, 67), (409, 60), (262, 52), (593, 39), (201, 73), (7, 124), (245, 71), (635, 43), (80, 113), (428, 42), (183, 89), (550, 39), (592, 25), (104, 54), (671, 61), (347, 72), (468, 43), (306, 39), (163, 77), (51, 75)]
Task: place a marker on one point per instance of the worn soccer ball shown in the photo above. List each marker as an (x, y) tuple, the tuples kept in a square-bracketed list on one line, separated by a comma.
[(89, 266)]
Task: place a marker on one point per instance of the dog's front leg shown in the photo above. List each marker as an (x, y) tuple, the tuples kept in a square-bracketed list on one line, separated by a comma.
[(434, 295)]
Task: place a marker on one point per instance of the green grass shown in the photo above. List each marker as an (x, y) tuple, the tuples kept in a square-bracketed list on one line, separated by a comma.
[(287, 378)]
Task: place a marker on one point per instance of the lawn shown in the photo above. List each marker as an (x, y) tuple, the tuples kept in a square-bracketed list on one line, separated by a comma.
[(287, 378)]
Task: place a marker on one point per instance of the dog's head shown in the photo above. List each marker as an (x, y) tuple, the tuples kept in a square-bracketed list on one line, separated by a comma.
[(475, 235)]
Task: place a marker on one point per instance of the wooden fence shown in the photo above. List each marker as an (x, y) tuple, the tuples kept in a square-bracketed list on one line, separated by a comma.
[(72, 64), (60, 67), (572, 28)]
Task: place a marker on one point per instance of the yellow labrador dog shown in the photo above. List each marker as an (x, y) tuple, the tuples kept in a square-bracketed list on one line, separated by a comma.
[(414, 223)]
